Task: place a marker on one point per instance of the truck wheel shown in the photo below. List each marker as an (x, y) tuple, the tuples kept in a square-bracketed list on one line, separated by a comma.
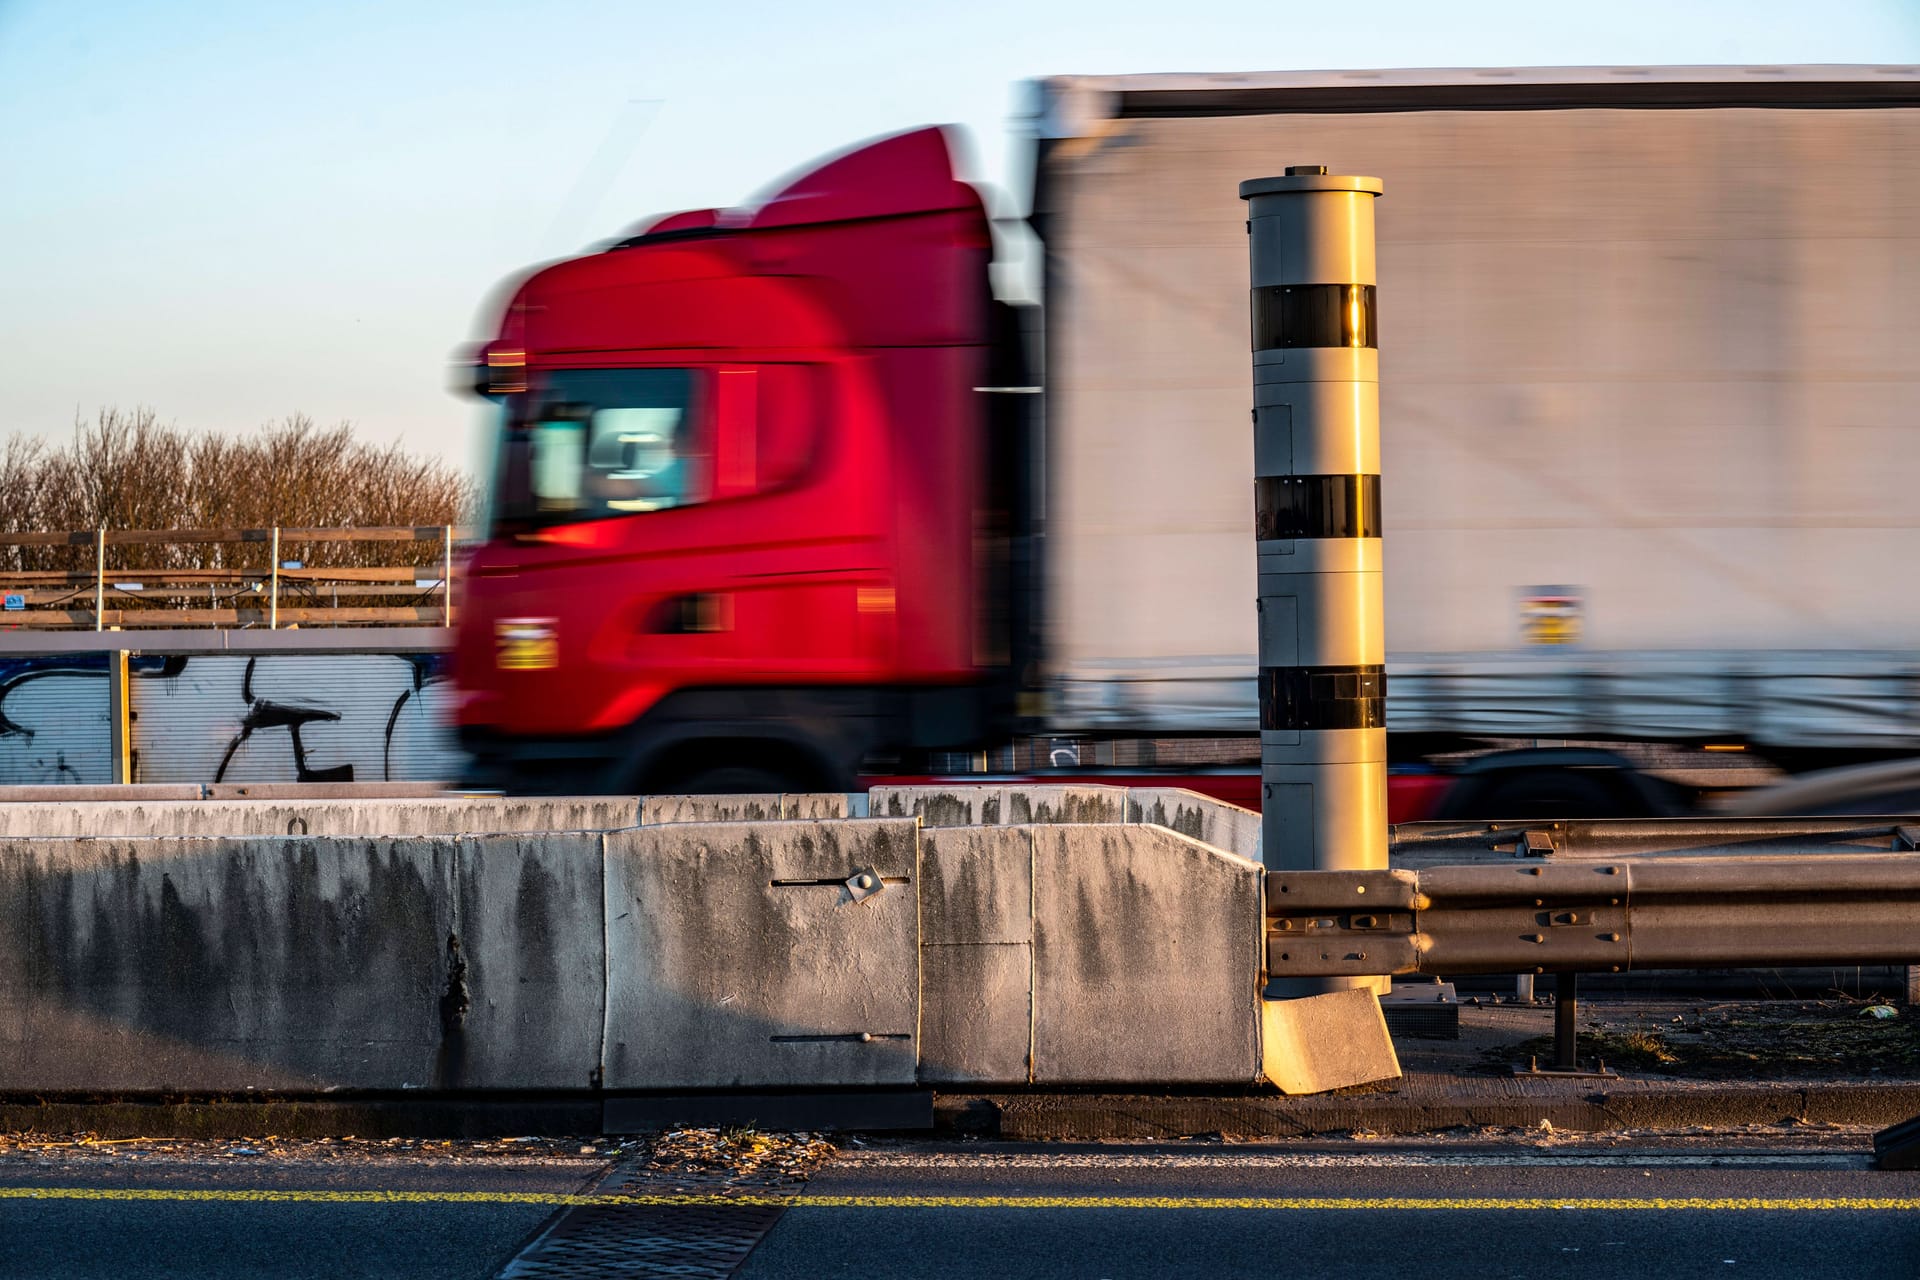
[(1542, 794), (733, 780)]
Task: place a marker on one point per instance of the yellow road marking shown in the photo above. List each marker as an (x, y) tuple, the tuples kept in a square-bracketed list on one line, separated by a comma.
[(275, 1196), (1307, 1204), (1336, 1203)]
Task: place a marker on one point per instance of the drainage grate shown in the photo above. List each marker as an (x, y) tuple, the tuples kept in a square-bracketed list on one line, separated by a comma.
[(617, 1237), (640, 1241)]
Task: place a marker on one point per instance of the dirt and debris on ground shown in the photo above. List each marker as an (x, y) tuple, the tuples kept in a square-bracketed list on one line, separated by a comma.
[(729, 1156), (740, 1151), (1765, 1040), (1361, 1146), (530, 1150), (747, 1161)]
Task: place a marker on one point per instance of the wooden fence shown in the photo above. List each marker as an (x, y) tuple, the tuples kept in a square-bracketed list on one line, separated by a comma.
[(262, 587)]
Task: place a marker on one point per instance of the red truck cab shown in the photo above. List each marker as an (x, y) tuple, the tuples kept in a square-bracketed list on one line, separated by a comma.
[(751, 521)]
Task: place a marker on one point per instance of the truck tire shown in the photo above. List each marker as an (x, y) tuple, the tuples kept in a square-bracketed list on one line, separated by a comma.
[(734, 780), (1530, 794)]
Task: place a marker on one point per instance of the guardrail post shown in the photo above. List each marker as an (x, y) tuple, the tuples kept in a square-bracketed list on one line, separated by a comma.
[(1316, 440), (273, 599), (1566, 1021), (119, 717)]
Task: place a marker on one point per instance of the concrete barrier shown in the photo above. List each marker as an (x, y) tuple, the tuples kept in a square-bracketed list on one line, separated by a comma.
[(223, 965), (80, 792), (528, 1010), (1146, 966), (302, 963), (84, 793), (976, 955), (1015, 805), (1100, 954), (738, 955), (1329, 1041), (747, 807), (424, 816), (800, 805), (671, 956), (1215, 822), (332, 791)]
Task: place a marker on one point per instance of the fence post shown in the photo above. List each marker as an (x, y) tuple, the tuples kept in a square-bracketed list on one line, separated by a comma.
[(446, 580), (120, 718), (273, 599), (100, 579)]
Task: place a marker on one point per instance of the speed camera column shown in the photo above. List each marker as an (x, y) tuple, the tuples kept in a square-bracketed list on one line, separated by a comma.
[(1316, 423)]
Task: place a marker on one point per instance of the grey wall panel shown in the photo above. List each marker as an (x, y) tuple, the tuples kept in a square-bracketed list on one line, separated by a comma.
[(54, 724), (372, 717)]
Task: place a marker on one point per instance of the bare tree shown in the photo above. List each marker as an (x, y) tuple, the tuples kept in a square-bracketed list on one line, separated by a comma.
[(129, 470)]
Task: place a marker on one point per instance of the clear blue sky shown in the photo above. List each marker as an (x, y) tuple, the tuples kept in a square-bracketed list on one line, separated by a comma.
[(236, 211)]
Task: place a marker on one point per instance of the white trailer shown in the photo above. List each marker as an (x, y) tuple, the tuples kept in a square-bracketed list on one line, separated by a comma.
[(1650, 367)]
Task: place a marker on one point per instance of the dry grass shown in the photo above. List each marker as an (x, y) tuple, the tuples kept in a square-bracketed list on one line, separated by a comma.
[(1646, 1046), (1774, 1040)]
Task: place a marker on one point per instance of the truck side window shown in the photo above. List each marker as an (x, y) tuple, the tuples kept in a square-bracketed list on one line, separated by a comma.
[(590, 444)]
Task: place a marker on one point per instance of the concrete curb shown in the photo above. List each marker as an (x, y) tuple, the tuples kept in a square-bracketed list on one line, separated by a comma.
[(1589, 1106), (294, 1117), (1426, 1105)]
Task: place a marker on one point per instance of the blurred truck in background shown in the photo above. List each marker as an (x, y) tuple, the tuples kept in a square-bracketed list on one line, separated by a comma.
[(784, 494)]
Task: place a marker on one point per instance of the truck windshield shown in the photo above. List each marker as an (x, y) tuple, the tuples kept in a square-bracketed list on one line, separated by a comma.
[(589, 444)]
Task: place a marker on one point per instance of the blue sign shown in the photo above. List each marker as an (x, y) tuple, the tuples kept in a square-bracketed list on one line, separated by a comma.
[(15, 602)]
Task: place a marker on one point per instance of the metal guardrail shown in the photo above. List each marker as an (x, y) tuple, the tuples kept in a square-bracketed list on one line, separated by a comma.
[(1597, 915), (1420, 844), (272, 594)]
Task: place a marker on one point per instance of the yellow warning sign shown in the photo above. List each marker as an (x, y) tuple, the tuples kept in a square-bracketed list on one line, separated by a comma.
[(526, 644)]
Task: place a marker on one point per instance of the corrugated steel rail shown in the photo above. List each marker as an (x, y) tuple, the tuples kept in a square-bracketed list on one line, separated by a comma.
[(1599, 911)]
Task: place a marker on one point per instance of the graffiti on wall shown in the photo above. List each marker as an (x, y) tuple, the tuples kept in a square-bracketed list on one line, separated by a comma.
[(231, 718), (53, 720)]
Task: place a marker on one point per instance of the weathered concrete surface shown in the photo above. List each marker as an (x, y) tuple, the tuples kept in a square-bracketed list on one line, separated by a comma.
[(1330, 1041), (962, 806), (208, 965), (330, 791), (121, 792), (1211, 821), (746, 807), (1146, 958), (677, 955), (424, 816), (737, 956), (976, 955), (1215, 822), (797, 805), (528, 1009), (656, 810)]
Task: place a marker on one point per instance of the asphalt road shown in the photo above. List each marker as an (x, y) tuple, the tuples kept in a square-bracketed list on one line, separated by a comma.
[(106, 1215), (1331, 1216), (1673, 1209)]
